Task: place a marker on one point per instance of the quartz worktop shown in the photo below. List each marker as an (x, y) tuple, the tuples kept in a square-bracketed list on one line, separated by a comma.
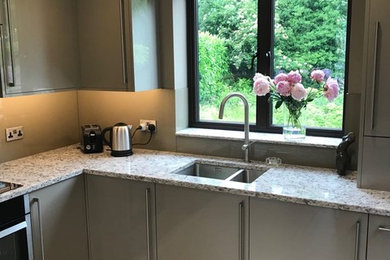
[(302, 185)]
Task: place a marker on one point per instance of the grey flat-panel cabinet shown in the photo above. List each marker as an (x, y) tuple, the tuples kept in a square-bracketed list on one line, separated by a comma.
[(118, 44), (280, 231), (377, 95), (58, 220), (101, 36), (120, 219), (194, 224), (378, 238), (375, 164), (39, 46)]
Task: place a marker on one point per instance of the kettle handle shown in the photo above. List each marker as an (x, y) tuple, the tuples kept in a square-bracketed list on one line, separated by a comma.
[(105, 130)]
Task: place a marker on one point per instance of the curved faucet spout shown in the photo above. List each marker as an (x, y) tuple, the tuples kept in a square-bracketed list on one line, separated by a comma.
[(234, 94), (246, 120)]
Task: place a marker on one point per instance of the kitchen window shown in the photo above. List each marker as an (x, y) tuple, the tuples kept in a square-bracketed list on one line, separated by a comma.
[(230, 40)]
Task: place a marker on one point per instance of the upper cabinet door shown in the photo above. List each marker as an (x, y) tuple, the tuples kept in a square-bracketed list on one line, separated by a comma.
[(144, 45), (118, 44), (38, 45), (377, 105), (102, 44)]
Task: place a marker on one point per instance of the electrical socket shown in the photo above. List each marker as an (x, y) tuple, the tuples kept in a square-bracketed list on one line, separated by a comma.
[(144, 123), (14, 133)]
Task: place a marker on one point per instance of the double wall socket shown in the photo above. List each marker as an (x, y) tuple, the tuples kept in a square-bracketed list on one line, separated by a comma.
[(14, 133), (144, 123)]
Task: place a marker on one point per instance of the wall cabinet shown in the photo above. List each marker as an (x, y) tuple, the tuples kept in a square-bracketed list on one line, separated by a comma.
[(58, 221), (118, 44), (120, 219), (378, 238), (280, 231), (374, 165), (39, 46), (50, 45), (377, 95), (194, 224)]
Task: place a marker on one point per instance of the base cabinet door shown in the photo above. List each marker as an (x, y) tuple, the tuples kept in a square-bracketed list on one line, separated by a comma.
[(58, 220), (281, 231), (378, 238), (200, 225), (120, 219)]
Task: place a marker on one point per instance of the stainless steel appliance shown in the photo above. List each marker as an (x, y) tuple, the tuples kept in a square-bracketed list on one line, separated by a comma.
[(120, 139), (15, 229)]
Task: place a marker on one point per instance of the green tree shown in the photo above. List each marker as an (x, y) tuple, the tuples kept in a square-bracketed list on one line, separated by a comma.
[(310, 34), (213, 69), (236, 23)]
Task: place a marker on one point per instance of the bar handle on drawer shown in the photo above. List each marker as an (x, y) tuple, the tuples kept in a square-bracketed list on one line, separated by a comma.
[(357, 240), (385, 229), (147, 210), (36, 200), (123, 41), (241, 220), (374, 74)]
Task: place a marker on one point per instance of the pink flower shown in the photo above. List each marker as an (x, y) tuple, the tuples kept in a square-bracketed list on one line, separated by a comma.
[(294, 77), (317, 75), (284, 88), (331, 89), (280, 77), (258, 76), (261, 87), (298, 92)]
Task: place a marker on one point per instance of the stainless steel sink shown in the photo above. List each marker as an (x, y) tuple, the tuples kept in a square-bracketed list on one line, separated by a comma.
[(228, 173), (208, 171), (247, 175)]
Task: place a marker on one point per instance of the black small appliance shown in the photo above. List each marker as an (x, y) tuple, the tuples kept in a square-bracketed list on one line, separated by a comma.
[(91, 139)]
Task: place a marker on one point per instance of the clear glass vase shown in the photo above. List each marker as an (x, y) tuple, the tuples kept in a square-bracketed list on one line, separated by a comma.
[(294, 126)]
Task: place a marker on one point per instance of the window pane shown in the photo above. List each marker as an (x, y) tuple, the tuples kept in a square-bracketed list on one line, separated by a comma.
[(312, 35), (227, 38)]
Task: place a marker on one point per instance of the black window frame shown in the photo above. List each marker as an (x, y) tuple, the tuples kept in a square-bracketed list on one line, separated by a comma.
[(264, 65)]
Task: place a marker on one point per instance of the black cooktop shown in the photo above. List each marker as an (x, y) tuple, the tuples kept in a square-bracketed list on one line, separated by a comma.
[(7, 186)]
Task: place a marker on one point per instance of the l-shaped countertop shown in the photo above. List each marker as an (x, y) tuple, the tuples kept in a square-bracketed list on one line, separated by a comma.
[(296, 184)]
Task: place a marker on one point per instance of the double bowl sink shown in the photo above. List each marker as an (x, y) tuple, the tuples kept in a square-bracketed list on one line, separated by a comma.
[(227, 173)]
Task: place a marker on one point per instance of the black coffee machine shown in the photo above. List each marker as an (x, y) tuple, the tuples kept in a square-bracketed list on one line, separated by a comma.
[(91, 139)]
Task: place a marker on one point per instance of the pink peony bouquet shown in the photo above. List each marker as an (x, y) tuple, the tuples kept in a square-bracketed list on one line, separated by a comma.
[(288, 89)]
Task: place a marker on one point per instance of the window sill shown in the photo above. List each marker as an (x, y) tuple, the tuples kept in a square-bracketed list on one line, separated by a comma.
[(310, 141)]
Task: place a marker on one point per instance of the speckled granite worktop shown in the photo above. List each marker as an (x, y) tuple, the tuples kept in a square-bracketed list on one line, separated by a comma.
[(303, 185)]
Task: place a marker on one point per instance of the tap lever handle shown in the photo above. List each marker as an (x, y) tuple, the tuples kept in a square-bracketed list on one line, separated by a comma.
[(246, 146)]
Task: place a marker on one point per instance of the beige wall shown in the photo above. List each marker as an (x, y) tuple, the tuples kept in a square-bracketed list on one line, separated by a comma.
[(107, 108), (52, 120), (49, 120)]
